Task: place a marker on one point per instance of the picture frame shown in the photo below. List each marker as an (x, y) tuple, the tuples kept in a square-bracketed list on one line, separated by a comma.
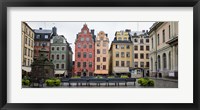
[(99, 3)]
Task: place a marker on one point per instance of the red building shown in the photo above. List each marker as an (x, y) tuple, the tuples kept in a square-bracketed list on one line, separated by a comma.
[(84, 52)]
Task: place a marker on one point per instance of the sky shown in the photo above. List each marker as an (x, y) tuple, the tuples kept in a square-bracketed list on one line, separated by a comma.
[(70, 29)]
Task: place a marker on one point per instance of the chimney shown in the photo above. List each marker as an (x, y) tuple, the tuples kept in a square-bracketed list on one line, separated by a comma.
[(106, 35), (127, 30), (54, 30), (92, 31)]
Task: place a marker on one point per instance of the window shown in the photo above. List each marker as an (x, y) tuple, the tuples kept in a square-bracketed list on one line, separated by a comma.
[(128, 63), (90, 46), (63, 57), (79, 45), (169, 31), (57, 57), (101, 38), (84, 55), (141, 56), (63, 48), (147, 47), (104, 44), (117, 54), (163, 35), (122, 46), (90, 64), (119, 38), (104, 51), (136, 47), (125, 38), (147, 64), (136, 56), (147, 56), (52, 57), (158, 61), (104, 59), (127, 46), (169, 60), (46, 36), (117, 46), (158, 40), (164, 61), (98, 51), (122, 54), (79, 54), (98, 44), (28, 52), (87, 39), (85, 31), (79, 64), (85, 46), (135, 40), (152, 43), (57, 66), (57, 48), (122, 63), (98, 59), (128, 54), (37, 36), (147, 40), (136, 64), (98, 67), (152, 64), (141, 47), (28, 62), (90, 55), (84, 64), (141, 41), (104, 67), (141, 64), (82, 39), (63, 66), (117, 63)]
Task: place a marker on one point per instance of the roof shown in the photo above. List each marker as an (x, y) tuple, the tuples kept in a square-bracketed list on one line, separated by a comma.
[(42, 31)]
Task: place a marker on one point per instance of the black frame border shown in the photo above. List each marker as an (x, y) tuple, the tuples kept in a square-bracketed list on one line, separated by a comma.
[(99, 3)]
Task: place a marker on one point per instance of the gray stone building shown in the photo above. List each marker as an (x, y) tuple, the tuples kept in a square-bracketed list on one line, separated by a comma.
[(61, 55)]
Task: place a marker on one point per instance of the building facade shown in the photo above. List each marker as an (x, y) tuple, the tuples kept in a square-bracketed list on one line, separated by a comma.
[(121, 55), (85, 52), (101, 54), (141, 48), (27, 46), (42, 37), (164, 49), (60, 55)]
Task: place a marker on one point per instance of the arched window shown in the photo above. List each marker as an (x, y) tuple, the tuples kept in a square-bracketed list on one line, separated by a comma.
[(52, 56), (158, 61), (164, 61), (169, 60), (57, 57), (151, 64)]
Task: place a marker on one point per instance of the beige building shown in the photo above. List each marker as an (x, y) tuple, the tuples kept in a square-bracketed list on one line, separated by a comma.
[(164, 49), (27, 51), (140, 40), (121, 55), (101, 54)]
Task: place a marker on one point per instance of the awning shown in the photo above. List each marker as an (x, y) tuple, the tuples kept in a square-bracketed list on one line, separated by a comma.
[(121, 70), (27, 69), (101, 72), (59, 71)]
